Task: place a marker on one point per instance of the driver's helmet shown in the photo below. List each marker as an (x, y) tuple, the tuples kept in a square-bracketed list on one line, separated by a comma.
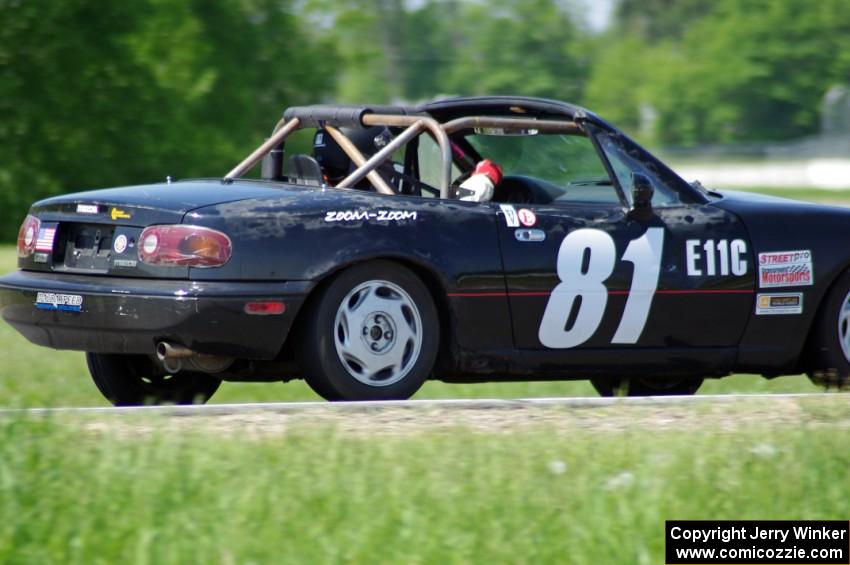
[(335, 163)]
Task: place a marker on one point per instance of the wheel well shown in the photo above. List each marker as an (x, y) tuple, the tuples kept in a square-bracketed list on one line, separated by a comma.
[(441, 303), (808, 355), (427, 276)]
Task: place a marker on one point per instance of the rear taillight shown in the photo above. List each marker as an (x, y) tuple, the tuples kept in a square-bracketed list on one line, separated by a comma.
[(28, 236), (179, 245)]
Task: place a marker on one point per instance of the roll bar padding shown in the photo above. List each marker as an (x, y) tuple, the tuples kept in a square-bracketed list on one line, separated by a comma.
[(340, 115)]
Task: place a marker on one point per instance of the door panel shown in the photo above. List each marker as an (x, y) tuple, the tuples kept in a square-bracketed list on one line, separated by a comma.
[(625, 283)]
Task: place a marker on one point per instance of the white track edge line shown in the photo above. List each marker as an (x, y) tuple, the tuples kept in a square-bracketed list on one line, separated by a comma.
[(365, 406)]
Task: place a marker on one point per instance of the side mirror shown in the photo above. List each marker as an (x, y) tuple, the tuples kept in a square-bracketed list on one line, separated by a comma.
[(642, 192)]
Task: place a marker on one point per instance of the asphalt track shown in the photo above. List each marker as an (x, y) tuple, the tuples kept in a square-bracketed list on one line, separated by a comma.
[(413, 405)]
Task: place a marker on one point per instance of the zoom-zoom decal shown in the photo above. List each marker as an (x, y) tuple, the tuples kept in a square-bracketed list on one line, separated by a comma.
[(644, 252)]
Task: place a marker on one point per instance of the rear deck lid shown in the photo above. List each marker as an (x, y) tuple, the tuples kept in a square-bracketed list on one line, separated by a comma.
[(146, 204), (97, 232)]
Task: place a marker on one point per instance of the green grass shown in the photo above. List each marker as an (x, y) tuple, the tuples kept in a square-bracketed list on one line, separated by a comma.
[(36, 376), (322, 495), (807, 194)]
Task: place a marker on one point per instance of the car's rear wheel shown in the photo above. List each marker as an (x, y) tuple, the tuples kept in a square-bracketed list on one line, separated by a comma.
[(640, 386), (373, 334), (135, 380), (830, 353)]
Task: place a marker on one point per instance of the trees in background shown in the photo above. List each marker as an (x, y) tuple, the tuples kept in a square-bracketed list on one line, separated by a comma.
[(95, 94), (417, 50), (107, 93), (730, 71)]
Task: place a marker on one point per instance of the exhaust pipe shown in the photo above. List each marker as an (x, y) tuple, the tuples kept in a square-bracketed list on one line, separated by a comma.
[(170, 351), (172, 357)]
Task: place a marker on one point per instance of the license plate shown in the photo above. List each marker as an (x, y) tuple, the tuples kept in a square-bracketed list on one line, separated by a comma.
[(59, 302)]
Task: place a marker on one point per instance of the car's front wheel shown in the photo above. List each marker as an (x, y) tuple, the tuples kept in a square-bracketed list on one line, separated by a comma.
[(640, 386), (373, 334), (135, 380)]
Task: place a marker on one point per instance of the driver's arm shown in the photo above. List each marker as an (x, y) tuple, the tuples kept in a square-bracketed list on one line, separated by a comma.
[(479, 187)]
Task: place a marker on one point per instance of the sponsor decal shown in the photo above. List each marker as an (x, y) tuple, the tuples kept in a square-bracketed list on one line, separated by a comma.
[(511, 218), (45, 239), (785, 303), (786, 268), (716, 257), (119, 214), (366, 215), (526, 217), (40, 258), (87, 209), (120, 244), (59, 302), (127, 263)]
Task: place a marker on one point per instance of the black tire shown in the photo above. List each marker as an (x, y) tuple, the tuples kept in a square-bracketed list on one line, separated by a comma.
[(647, 387), (134, 380), (829, 362), (394, 303)]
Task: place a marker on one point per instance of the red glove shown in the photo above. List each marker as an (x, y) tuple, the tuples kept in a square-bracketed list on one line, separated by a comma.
[(489, 168)]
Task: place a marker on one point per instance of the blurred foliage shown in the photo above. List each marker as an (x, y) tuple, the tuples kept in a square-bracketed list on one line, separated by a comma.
[(389, 52), (95, 94), (721, 72)]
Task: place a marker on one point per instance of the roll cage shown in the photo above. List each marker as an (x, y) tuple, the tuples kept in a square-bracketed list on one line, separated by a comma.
[(441, 120), (331, 118)]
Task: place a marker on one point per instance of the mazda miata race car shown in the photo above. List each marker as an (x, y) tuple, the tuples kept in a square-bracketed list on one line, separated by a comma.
[(357, 265)]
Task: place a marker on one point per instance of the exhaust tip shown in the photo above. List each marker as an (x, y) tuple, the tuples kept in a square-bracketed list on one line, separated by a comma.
[(165, 350), (173, 356)]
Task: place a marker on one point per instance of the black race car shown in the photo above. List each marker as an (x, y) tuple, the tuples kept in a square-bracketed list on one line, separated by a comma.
[(358, 265)]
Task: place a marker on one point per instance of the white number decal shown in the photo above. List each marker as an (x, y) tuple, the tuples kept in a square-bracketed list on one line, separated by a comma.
[(588, 285), (574, 284), (645, 253)]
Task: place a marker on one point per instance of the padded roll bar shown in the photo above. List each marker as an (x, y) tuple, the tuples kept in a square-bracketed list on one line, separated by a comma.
[(337, 115)]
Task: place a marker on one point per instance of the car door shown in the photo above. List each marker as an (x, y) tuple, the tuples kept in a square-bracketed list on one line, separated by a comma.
[(582, 275), (587, 276)]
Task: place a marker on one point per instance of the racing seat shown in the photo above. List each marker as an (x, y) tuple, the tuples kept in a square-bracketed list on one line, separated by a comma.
[(303, 169)]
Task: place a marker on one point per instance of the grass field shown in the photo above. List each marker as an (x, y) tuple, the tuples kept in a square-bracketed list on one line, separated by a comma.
[(36, 376), (837, 197), (144, 490)]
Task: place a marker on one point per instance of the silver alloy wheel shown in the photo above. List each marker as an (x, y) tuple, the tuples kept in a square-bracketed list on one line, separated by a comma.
[(378, 333), (844, 326)]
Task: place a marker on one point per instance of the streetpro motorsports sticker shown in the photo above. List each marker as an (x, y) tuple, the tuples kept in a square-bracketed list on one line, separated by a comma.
[(785, 303), (786, 268), (366, 215), (59, 302)]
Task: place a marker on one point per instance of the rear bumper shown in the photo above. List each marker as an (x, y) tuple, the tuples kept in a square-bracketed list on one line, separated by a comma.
[(120, 315)]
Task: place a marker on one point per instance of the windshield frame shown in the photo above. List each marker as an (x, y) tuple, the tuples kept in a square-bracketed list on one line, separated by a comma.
[(470, 146)]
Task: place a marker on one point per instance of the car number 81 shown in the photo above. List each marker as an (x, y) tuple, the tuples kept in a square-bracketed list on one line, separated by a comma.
[(589, 285)]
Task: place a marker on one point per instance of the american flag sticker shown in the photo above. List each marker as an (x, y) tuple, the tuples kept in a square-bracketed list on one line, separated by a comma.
[(45, 239)]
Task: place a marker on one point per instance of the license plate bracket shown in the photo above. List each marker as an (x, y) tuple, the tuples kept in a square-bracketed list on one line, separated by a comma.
[(88, 247)]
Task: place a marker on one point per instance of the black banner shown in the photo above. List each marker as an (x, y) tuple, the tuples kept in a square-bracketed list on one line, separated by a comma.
[(821, 542)]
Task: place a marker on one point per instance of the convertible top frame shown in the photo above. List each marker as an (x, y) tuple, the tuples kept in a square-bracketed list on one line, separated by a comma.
[(331, 118)]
